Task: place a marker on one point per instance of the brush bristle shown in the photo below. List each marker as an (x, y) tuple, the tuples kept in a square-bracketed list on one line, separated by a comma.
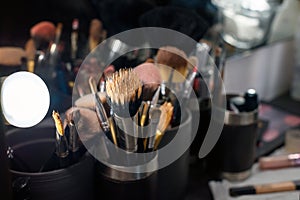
[(124, 89), (123, 86), (166, 116), (172, 57), (58, 123)]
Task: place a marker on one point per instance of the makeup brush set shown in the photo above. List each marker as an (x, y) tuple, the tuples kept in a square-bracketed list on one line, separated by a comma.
[(132, 123), (133, 113)]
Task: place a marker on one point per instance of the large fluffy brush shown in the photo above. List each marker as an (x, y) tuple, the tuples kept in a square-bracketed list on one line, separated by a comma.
[(150, 76), (175, 59)]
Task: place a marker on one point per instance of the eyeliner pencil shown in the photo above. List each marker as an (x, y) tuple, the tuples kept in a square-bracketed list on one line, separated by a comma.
[(265, 188)]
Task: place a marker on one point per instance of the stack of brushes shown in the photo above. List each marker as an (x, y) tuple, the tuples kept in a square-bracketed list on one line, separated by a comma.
[(134, 124)]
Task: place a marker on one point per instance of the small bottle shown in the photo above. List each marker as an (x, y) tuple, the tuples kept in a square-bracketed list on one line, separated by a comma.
[(251, 100), (60, 157)]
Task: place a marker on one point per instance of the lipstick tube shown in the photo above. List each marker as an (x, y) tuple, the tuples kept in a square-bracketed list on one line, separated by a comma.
[(281, 161)]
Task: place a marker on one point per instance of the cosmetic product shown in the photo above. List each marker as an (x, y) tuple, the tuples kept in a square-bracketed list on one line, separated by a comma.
[(42, 33), (164, 121), (174, 59), (220, 58), (124, 90), (74, 38), (155, 97), (154, 116), (107, 123), (73, 139), (188, 84), (150, 76), (279, 161), (96, 34), (292, 140), (54, 50), (99, 108), (145, 113), (265, 188), (251, 100), (60, 157)]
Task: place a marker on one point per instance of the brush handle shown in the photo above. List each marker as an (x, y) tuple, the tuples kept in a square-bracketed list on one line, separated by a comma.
[(100, 110), (74, 141), (265, 188), (125, 126)]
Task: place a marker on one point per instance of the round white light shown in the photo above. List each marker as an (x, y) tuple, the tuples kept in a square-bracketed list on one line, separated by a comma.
[(25, 99)]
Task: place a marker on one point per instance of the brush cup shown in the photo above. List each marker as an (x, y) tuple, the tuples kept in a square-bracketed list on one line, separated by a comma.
[(234, 153), (31, 148), (169, 182)]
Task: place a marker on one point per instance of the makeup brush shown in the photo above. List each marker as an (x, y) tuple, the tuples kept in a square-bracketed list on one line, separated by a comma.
[(154, 116), (54, 50), (149, 113), (124, 90), (73, 137), (44, 30), (145, 113), (58, 32), (96, 34), (74, 39), (150, 76), (99, 108), (60, 158), (265, 188), (42, 34), (176, 59), (164, 121)]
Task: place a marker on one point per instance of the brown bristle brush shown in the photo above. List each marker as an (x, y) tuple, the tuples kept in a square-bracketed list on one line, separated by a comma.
[(174, 58)]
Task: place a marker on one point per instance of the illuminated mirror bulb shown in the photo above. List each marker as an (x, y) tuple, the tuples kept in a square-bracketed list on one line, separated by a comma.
[(25, 99)]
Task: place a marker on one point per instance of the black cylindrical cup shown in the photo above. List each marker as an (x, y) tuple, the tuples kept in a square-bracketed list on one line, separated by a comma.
[(237, 144), (169, 182), (31, 149)]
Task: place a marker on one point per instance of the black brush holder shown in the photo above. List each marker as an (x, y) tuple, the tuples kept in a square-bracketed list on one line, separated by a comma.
[(31, 148), (169, 182)]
